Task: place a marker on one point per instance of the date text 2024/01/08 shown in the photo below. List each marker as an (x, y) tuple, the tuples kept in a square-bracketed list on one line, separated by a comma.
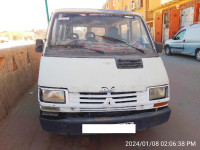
[(160, 143)]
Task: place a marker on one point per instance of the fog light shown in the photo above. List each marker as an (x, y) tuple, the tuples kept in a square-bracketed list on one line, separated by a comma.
[(51, 109), (49, 114)]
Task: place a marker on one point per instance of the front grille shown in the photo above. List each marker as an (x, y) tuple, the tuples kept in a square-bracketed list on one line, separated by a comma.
[(101, 97), (129, 63), (115, 101)]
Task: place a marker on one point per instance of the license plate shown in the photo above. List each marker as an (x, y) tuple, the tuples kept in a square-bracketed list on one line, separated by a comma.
[(108, 128)]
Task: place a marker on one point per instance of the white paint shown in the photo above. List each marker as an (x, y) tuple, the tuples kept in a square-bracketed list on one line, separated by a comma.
[(187, 16), (165, 1), (91, 74)]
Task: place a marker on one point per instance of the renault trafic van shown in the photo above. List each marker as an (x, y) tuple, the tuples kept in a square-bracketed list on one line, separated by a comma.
[(186, 41), (100, 67)]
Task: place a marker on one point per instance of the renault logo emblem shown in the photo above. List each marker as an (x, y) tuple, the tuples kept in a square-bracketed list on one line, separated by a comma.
[(108, 90)]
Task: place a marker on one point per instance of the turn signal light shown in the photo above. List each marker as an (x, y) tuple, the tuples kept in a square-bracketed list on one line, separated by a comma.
[(160, 104)]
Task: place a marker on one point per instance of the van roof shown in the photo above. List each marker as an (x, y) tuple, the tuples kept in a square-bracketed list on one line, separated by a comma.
[(89, 10), (195, 25)]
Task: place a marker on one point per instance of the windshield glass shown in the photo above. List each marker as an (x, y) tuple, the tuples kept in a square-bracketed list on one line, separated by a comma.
[(103, 33)]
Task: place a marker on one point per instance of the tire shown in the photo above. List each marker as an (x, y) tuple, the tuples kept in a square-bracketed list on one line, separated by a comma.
[(198, 55), (168, 51)]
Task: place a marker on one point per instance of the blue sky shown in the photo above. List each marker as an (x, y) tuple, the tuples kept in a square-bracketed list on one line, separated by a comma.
[(20, 15)]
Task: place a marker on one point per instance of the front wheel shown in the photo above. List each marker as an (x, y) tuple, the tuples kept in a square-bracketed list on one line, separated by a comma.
[(198, 55), (168, 50)]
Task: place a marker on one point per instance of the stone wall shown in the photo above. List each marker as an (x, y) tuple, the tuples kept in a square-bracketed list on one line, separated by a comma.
[(19, 68)]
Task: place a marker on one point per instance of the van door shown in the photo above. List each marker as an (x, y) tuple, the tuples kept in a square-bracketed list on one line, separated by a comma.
[(192, 40), (177, 42)]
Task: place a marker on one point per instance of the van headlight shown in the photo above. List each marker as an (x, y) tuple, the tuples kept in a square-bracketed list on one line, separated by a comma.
[(156, 93), (52, 96)]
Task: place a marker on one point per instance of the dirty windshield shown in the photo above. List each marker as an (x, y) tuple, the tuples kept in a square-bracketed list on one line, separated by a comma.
[(99, 33)]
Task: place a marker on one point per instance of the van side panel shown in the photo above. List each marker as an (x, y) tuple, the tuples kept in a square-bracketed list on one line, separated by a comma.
[(192, 40)]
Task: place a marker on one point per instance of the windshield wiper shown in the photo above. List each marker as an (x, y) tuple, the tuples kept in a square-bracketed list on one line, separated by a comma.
[(121, 41), (98, 51), (53, 46), (80, 46)]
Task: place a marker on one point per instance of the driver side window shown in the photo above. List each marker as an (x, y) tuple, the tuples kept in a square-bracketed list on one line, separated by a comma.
[(180, 35)]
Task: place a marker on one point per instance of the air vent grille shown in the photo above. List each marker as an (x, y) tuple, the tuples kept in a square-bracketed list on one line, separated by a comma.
[(129, 63)]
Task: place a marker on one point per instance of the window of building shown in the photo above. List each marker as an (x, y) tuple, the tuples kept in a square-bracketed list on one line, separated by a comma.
[(166, 20), (124, 31), (133, 6), (125, 8), (139, 4), (187, 17)]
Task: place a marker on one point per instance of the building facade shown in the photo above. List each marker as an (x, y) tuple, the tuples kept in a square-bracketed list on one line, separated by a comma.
[(173, 15), (109, 4), (164, 17)]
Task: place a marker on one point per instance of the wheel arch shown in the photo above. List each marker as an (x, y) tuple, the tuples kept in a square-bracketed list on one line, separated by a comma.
[(167, 45), (196, 51)]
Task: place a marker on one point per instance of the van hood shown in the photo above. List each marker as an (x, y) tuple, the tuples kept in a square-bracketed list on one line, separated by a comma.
[(91, 74), (168, 41)]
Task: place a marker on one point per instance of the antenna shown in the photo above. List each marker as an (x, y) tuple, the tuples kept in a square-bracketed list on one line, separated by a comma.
[(47, 11)]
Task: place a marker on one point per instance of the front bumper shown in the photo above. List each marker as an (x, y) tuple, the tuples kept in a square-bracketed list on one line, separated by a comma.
[(72, 125)]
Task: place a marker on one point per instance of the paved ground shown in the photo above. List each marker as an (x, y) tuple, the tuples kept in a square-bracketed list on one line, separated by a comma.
[(21, 129)]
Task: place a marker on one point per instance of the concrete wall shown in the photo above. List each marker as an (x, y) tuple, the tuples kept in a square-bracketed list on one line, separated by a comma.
[(118, 5), (153, 4), (108, 4), (18, 72)]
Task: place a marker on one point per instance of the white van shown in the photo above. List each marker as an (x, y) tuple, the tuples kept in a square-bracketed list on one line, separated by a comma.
[(100, 67)]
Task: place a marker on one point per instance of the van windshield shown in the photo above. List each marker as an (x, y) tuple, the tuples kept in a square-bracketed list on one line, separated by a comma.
[(99, 33)]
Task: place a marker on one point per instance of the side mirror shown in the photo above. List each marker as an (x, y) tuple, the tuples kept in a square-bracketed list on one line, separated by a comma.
[(159, 47), (172, 37), (39, 45)]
